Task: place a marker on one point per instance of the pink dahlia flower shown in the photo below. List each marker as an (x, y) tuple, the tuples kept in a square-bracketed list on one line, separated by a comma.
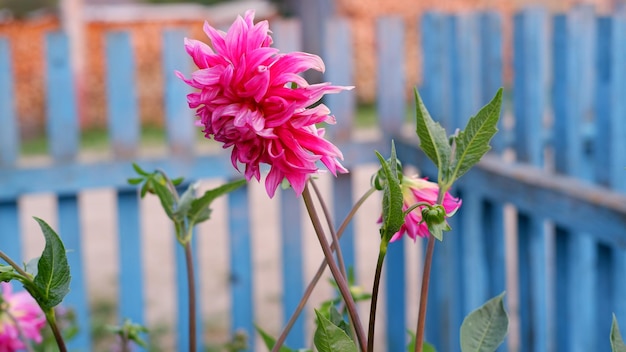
[(21, 308), (251, 97), (415, 190)]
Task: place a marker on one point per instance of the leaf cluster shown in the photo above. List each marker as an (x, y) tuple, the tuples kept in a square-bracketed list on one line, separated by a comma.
[(186, 210), (455, 155)]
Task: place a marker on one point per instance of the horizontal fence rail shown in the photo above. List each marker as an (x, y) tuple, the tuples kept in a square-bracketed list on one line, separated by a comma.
[(566, 185)]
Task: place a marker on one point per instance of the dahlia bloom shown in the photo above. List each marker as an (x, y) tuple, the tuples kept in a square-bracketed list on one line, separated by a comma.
[(415, 190), (251, 97), (23, 309)]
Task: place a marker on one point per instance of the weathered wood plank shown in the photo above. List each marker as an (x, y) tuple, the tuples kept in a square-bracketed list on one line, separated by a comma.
[(9, 133), (77, 299), (61, 101), (338, 56), (242, 287), (435, 90), (10, 235), (292, 267), (390, 93), (181, 132), (122, 100), (131, 289)]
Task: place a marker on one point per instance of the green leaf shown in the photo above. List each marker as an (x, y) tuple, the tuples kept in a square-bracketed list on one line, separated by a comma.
[(617, 344), (165, 196), (433, 139), (139, 170), (200, 210), (184, 204), (52, 282), (473, 142), (426, 347), (485, 328), (437, 230), (331, 338), (135, 180), (270, 341), (7, 273), (393, 217)]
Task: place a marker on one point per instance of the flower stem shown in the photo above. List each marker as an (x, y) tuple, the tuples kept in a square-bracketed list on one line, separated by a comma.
[(191, 287), (333, 234), (341, 281), (428, 260), (379, 269), (55, 329), (309, 289), (17, 268)]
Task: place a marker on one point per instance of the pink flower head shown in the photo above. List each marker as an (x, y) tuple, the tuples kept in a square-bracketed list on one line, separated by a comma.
[(251, 97), (415, 190), (22, 309)]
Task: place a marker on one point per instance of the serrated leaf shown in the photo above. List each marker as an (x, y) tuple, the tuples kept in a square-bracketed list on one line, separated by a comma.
[(393, 217), (53, 272), (438, 229), (617, 344), (331, 338), (270, 341), (473, 142), (484, 329), (433, 139), (200, 210)]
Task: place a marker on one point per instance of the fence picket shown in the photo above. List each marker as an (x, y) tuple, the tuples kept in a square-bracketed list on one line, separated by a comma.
[(69, 230), (577, 31), (530, 89), (121, 97), (291, 255), (242, 307), (287, 34), (391, 108), (61, 100), (180, 132), (9, 133), (62, 119), (390, 94)]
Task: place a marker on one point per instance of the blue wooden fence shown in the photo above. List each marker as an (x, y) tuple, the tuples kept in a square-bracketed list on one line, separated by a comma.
[(566, 184)]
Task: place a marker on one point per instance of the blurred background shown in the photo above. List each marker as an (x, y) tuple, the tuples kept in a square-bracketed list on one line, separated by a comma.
[(26, 21)]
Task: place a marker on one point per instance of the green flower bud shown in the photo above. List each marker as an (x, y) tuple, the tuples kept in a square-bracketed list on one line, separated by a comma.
[(434, 215)]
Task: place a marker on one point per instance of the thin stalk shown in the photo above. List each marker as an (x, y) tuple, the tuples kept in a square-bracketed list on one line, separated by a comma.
[(428, 260), (333, 234), (125, 342), (191, 287), (320, 270), (55, 330), (341, 282), (15, 266), (379, 270)]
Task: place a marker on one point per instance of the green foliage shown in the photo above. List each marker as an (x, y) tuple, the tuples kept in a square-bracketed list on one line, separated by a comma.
[(270, 341), (426, 347), (331, 338), (484, 329), (617, 344), (185, 210), (130, 331), (393, 216), (473, 142), (52, 282), (433, 139), (456, 155)]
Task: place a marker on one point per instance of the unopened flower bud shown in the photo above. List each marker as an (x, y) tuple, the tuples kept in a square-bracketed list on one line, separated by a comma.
[(434, 215)]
